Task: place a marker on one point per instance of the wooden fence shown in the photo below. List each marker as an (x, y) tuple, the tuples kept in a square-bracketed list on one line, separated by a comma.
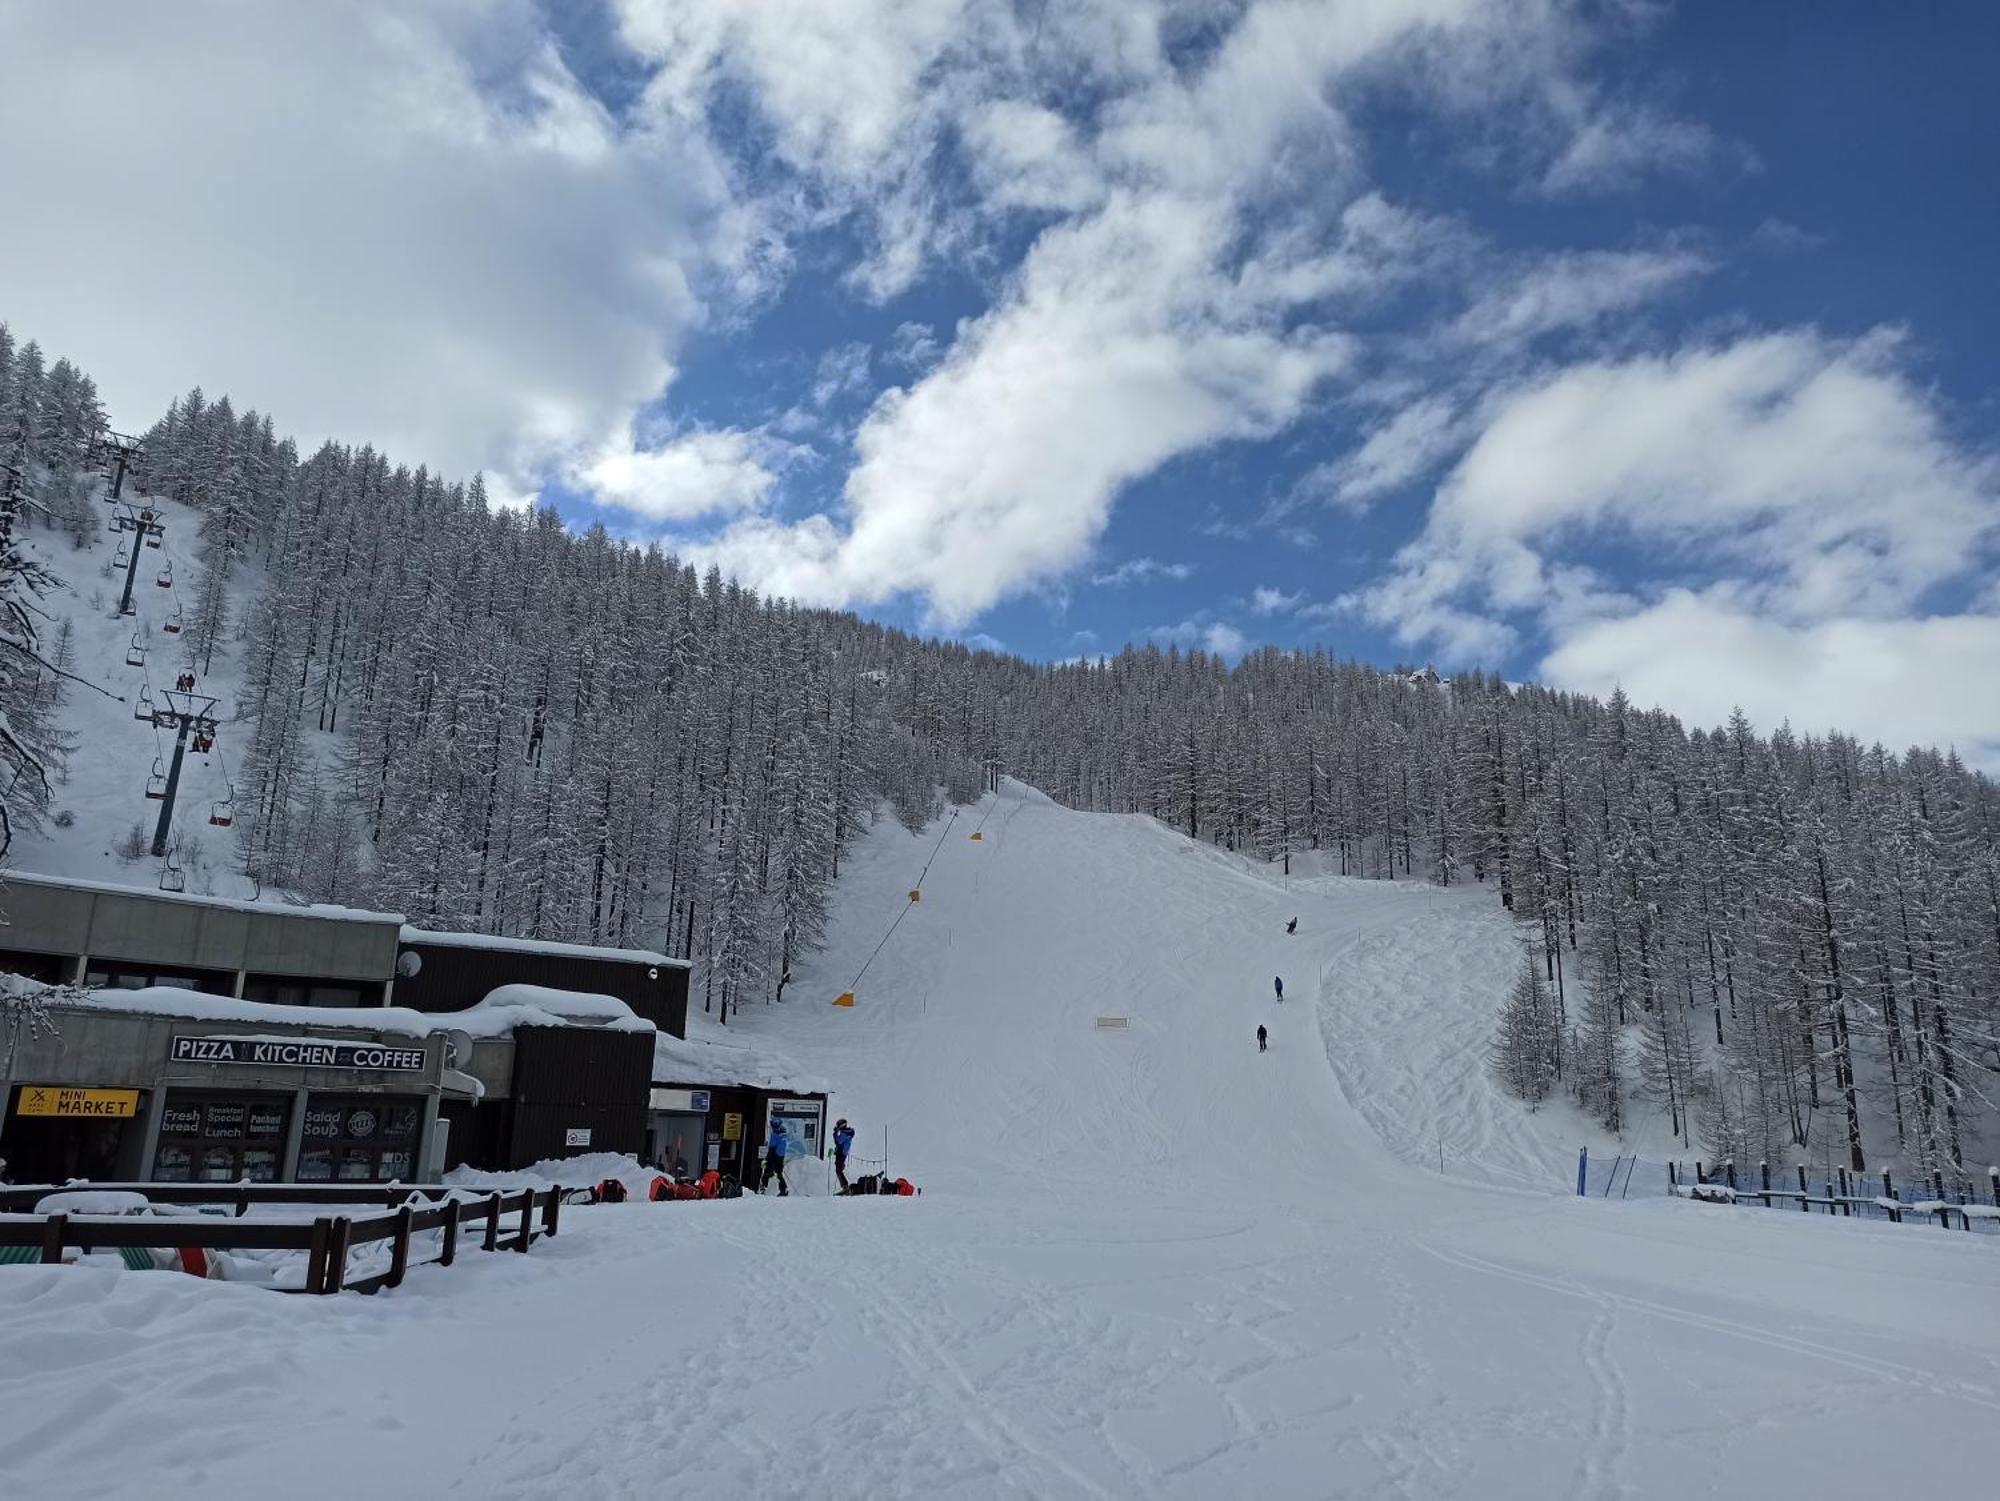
[(509, 1220), (1844, 1193)]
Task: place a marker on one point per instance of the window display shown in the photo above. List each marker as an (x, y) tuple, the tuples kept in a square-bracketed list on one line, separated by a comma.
[(211, 1137), (360, 1138)]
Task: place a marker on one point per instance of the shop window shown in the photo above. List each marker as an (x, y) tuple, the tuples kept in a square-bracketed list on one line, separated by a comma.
[(290, 990), (213, 1137), (367, 1138), (108, 975)]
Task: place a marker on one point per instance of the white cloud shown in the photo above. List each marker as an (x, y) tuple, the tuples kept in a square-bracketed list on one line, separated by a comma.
[(1811, 471), (1140, 570), (1784, 508), (1575, 289), (698, 474), (842, 370), (1614, 146), (1411, 443), (1215, 636), (1923, 681), (408, 227), (1268, 601), (913, 346)]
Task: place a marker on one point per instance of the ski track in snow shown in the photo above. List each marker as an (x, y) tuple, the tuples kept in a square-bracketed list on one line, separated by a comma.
[(1148, 1263)]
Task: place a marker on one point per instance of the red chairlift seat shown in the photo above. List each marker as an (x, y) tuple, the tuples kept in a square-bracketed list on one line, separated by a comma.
[(166, 577), (173, 625)]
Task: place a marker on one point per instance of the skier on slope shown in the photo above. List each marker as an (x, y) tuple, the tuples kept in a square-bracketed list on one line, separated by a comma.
[(1261, 1038), (774, 1159), (1292, 926), (1278, 984)]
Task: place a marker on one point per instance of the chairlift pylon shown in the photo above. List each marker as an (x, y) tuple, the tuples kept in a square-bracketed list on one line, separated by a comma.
[(156, 784), (135, 654)]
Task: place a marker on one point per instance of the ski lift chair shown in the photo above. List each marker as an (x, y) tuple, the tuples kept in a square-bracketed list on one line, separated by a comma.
[(166, 577), (135, 654), (223, 814), (173, 625), (172, 877), (156, 784), (151, 540), (124, 556), (143, 709)]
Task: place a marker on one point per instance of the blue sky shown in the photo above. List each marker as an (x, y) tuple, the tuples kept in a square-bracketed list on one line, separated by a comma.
[(1604, 344)]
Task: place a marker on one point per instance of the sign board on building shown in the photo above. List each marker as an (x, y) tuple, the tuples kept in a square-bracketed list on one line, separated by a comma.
[(732, 1127), (682, 1100), (301, 1052), (53, 1099), (577, 1136)]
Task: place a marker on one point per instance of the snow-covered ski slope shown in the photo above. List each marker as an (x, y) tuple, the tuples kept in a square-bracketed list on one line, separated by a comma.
[(1147, 1262), (102, 789)]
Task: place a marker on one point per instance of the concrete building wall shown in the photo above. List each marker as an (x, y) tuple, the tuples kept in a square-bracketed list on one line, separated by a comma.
[(64, 918)]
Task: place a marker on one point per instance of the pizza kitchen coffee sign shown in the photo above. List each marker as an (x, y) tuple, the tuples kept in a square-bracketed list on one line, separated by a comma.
[(300, 1052)]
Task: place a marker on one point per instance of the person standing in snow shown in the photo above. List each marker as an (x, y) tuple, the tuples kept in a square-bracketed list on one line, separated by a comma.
[(1278, 983), (1292, 926), (774, 1159), (843, 1138), (1261, 1035)]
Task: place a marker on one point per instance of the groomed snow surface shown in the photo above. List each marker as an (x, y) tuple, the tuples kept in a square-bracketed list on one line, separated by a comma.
[(1147, 1261)]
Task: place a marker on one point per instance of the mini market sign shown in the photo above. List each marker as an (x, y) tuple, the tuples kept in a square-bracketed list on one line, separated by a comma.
[(54, 1099)]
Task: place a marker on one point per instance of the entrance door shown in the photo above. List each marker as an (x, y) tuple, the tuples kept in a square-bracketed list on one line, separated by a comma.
[(678, 1139)]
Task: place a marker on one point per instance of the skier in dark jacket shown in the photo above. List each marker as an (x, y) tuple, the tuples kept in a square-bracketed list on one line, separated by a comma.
[(1292, 926), (774, 1159), (843, 1139), (1278, 983), (1261, 1039)]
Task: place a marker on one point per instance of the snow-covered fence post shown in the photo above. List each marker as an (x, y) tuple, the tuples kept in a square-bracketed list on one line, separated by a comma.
[(549, 1214), (453, 1207), (1673, 1175), (1804, 1207), (1889, 1192), (316, 1255), (1582, 1168), (493, 1220), (1937, 1193), (1700, 1177), (1993, 1184), (399, 1250), (1764, 1177), (1730, 1168), (527, 1220), (52, 1239)]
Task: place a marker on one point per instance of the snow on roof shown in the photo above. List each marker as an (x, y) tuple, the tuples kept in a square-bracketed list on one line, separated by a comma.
[(690, 1061), (233, 904), (495, 1016), (413, 934), (569, 1005)]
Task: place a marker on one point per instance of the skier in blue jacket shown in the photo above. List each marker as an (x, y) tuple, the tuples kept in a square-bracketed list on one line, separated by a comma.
[(774, 1158), (843, 1139), (1278, 982)]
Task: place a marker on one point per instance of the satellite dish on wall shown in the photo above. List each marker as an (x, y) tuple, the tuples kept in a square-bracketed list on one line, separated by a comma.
[(653, 974), (457, 1048), (408, 963)]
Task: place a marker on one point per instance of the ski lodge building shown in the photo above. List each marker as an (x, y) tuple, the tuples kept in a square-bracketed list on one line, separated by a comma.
[(224, 1040)]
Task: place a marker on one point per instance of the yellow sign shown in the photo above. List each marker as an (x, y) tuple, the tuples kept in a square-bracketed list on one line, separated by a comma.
[(53, 1099), (978, 838), (732, 1126), (845, 998)]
